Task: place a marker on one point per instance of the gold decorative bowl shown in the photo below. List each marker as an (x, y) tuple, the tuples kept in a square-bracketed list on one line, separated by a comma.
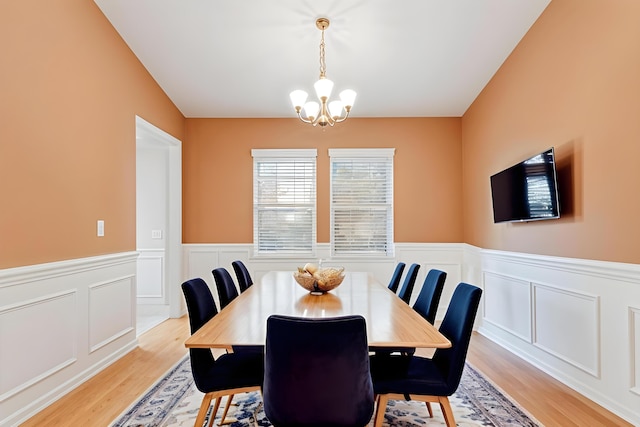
[(322, 281)]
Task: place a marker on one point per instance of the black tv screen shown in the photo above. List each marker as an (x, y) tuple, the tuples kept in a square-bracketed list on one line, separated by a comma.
[(527, 191)]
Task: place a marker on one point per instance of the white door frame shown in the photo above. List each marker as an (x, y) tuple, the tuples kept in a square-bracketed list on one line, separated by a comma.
[(173, 235)]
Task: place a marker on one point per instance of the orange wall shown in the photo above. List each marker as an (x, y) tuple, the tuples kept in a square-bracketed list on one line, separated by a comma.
[(572, 83), (70, 89), (218, 173)]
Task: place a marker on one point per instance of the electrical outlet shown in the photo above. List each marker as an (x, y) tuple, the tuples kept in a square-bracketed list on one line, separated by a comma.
[(100, 228)]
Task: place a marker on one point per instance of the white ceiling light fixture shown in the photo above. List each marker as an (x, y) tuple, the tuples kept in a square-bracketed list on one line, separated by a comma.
[(325, 113)]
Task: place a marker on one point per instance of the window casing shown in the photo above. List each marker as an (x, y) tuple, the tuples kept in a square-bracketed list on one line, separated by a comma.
[(362, 202), (284, 202)]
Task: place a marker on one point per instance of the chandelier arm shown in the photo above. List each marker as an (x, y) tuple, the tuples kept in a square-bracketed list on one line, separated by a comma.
[(303, 120), (315, 121), (341, 119)]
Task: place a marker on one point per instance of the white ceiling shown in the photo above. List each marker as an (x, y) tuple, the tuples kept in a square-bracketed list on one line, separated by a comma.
[(241, 58)]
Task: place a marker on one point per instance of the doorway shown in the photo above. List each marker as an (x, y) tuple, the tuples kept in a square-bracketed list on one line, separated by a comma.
[(158, 225)]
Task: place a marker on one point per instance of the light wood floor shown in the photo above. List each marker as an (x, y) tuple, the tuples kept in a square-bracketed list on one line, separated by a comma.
[(101, 399)]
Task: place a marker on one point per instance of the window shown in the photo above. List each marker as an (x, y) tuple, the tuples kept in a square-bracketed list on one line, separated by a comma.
[(284, 202), (362, 202)]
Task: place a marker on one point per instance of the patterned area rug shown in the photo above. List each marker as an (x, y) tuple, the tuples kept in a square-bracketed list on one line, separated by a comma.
[(174, 401)]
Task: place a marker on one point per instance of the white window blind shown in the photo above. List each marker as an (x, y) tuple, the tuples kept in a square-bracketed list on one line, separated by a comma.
[(284, 202), (362, 202)]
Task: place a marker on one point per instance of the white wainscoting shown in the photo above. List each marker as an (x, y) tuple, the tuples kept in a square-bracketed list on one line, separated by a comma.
[(566, 324), (47, 324), (111, 311), (634, 321), (150, 276), (60, 324), (507, 304), (577, 320)]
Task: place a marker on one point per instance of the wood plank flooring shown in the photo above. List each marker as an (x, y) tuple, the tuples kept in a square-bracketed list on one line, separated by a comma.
[(101, 399), (548, 400)]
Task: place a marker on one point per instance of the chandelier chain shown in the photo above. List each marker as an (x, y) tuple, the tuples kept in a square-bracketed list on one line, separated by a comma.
[(323, 65)]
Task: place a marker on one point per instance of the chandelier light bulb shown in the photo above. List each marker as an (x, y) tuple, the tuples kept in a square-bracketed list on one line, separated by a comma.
[(311, 109), (298, 98), (335, 109), (323, 113), (323, 88), (348, 97)]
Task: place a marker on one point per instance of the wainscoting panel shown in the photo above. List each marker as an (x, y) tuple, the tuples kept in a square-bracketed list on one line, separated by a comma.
[(226, 258), (567, 326), (507, 304), (150, 280), (111, 311), (47, 331), (634, 318), (584, 317), (60, 324)]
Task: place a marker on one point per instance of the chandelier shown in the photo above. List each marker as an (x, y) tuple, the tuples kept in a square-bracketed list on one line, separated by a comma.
[(325, 113)]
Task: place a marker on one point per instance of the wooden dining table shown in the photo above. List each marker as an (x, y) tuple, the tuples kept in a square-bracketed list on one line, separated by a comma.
[(390, 321)]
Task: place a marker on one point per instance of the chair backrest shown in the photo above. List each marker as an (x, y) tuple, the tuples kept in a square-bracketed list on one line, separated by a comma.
[(200, 303), (227, 290), (201, 308), (397, 276), (457, 326), (242, 274), (317, 372), (429, 297), (409, 282)]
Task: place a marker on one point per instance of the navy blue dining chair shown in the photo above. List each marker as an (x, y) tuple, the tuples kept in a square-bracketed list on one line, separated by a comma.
[(227, 290), (242, 274), (317, 372), (429, 297), (430, 379), (396, 277), (425, 305), (227, 375), (409, 283)]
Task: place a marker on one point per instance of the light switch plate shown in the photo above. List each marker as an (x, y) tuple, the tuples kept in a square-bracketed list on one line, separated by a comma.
[(156, 234), (100, 228)]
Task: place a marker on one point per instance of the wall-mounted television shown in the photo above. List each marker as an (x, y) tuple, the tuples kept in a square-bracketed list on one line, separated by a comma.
[(527, 191)]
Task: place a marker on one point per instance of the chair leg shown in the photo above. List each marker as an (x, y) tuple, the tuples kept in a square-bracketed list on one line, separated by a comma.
[(215, 411), (224, 419), (447, 411), (381, 407), (204, 407), (429, 409)]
